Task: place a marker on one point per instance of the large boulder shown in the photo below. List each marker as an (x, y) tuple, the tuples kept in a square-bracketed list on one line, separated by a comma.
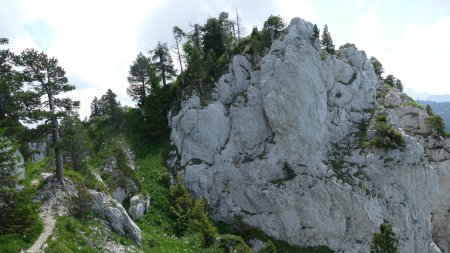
[(279, 150), (118, 219), (139, 205)]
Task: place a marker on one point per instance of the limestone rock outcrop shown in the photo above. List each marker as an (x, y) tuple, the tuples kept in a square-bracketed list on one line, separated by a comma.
[(279, 149), (139, 205), (112, 211)]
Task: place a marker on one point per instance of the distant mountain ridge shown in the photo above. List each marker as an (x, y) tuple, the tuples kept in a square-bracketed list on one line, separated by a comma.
[(442, 108)]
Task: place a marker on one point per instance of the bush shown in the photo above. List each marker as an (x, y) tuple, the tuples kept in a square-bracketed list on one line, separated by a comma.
[(437, 125), (269, 247), (385, 241), (232, 244), (190, 215), (386, 137), (82, 203)]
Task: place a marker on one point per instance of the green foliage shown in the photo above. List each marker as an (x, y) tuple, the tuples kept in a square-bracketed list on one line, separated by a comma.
[(437, 125), (141, 71), (190, 215), (75, 145), (323, 56), (386, 137), (385, 241), (273, 26), (163, 62), (81, 204), (429, 110), (347, 45), (377, 66), (327, 41), (316, 34), (213, 37), (19, 214), (86, 236), (233, 244)]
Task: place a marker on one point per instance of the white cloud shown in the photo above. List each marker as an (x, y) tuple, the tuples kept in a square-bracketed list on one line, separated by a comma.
[(289, 9), (369, 20), (424, 62)]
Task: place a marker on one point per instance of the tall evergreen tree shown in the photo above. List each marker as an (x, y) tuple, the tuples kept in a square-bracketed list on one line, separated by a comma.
[(178, 35), (213, 37), (75, 145), (95, 107), (11, 95), (163, 61), (138, 78), (111, 108), (316, 34), (46, 79), (327, 41)]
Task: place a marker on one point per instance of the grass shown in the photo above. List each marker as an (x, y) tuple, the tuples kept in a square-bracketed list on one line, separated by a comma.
[(13, 243), (84, 236), (156, 225)]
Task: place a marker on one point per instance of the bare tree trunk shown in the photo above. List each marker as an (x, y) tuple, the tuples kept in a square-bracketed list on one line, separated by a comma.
[(2, 107), (56, 140), (238, 26), (143, 94), (181, 63)]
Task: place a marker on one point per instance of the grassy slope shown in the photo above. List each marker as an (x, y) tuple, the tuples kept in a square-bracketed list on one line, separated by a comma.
[(157, 235)]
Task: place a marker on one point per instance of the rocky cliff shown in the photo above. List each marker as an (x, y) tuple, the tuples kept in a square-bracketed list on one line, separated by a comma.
[(280, 149)]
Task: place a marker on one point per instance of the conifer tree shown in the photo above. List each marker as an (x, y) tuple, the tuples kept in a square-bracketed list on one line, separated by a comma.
[(111, 108), (213, 37), (95, 107), (163, 61), (138, 78), (327, 41), (316, 34), (46, 80)]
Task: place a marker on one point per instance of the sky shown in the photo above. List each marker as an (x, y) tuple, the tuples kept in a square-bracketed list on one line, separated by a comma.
[(96, 41)]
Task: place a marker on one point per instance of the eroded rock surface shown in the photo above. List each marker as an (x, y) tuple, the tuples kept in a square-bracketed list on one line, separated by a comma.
[(279, 148), (112, 211)]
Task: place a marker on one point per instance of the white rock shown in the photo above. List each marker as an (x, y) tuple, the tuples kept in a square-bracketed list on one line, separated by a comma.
[(279, 151), (139, 205), (112, 211)]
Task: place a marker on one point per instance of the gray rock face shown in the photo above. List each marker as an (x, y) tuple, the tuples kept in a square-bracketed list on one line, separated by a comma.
[(112, 211), (38, 151), (278, 149), (139, 205), (20, 166)]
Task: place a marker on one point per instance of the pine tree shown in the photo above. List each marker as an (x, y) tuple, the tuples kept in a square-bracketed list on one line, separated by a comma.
[(95, 107), (163, 61), (316, 34), (213, 37), (76, 144), (327, 41), (111, 108), (385, 241), (138, 78), (46, 80)]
